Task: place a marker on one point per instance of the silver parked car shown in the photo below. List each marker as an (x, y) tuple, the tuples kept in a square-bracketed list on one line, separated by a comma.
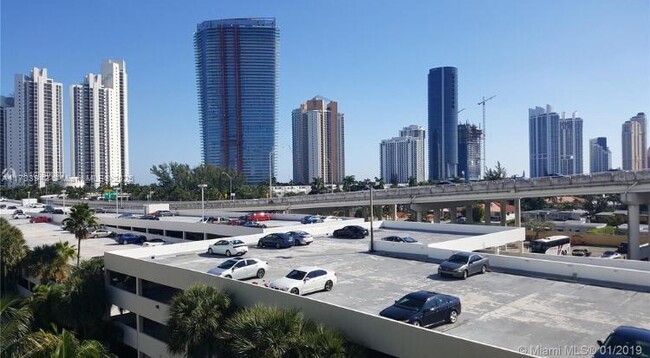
[(240, 269), (463, 264)]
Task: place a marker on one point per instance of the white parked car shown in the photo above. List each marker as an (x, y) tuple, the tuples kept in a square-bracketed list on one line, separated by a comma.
[(331, 218), (154, 242), (240, 268), (21, 215), (304, 280), (611, 255), (100, 233), (228, 247), (301, 237)]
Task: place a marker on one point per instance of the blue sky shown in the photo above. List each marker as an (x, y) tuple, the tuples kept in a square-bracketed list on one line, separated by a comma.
[(590, 56)]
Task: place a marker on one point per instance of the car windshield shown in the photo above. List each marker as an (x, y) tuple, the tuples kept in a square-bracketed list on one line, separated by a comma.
[(227, 264), (410, 303), (460, 259), (609, 253), (237, 243), (296, 275), (408, 239)]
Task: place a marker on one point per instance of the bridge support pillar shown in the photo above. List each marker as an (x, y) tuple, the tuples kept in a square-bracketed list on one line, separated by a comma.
[(184, 235), (487, 213), (420, 208), (437, 214), (518, 215), (393, 211), (469, 213), (504, 212), (634, 201)]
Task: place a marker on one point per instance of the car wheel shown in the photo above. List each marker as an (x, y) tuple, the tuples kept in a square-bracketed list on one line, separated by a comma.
[(465, 274), (453, 316), (228, 276), (294, 291), (210, 251), (228, 253), (484, 269), (120, 242), (328, 285), (260, 273), (277, 245), (417, 323), (260, 244)]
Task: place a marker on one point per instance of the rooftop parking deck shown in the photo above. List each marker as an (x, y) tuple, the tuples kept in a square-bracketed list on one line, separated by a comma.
[(505, 310)]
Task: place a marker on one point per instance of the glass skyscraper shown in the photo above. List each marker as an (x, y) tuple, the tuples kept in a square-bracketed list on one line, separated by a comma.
[(237, 81), (443, 123), (544, 141)]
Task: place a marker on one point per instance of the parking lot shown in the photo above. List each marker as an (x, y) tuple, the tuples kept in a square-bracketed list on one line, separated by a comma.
[(500, 309)]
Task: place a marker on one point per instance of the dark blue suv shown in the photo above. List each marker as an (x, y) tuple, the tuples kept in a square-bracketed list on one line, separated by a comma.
[(276, 240), (424, 308), (130, 238)]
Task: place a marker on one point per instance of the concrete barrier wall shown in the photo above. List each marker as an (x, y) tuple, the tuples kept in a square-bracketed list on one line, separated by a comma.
[(130, 337), (618, 277), (480, 242), (624, 264), (154, 310), (456, 228), (362, 328)]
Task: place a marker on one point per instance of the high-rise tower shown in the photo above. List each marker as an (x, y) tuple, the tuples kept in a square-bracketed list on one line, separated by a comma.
[(600, 157), (470, 139), (318, 142), (544, 141), (634, 143), (237, 82), (402, 158), (34, 131), (443, 123)]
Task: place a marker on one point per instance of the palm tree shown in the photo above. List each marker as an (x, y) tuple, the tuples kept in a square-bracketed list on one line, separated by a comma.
[(66, 345), (13, 249), (49, 305), (50, 262), (348, 182), (81, 218), (261, 331), (16, 321), (85, 288), (195, 317)]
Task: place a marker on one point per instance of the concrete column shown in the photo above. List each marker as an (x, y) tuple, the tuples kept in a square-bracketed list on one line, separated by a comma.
[(138, 286), (164, 232), (437, 213), (521, 245), (469, 213), (205, 236), (184, 235), (504, 212), (393, 211), (487, 219), (518, 214), (418, 216), (633, 234)]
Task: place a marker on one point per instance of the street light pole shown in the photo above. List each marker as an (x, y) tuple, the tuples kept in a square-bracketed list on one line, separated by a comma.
[(203, 186), (229, 177), (372, 234), (271, 173), (117, 201), (63, 192)]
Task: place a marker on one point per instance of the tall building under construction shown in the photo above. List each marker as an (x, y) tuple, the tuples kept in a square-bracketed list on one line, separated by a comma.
[(470, 140)]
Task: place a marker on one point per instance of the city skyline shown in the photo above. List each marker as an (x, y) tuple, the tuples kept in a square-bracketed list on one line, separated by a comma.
[(163, 105)]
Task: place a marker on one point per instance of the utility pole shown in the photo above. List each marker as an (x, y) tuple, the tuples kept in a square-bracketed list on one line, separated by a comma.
[(482, 103)]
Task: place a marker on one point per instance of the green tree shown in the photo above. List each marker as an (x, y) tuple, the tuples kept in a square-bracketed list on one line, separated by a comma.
[(85, 288), (81, 218), (16, 321), (528, 204), (49, 304), (261, 331), (65, 345), (348, 182), (13, 250), (413, 181), (499, 172), (537, 226), (318, 186), (50, 262), (195, 317)]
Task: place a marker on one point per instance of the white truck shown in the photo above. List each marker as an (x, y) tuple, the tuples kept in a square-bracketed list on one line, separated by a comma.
[(151, 209), (29, 202)]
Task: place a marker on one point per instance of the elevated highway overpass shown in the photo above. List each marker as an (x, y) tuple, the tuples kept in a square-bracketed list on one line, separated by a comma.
[(634, 188)]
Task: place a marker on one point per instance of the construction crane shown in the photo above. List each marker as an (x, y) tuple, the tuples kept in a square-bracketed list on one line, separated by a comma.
[(482, 103), (461, 110)]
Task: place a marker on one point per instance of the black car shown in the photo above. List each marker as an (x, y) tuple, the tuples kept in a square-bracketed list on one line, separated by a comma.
[(624, 342), (148, 217), (276, 240), (581, 252), (424, 308), (404, 239), (254, 224), (352, 232)]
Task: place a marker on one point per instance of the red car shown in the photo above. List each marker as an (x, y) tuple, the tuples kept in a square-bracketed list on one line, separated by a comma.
[(259, 216), (40, 219)]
